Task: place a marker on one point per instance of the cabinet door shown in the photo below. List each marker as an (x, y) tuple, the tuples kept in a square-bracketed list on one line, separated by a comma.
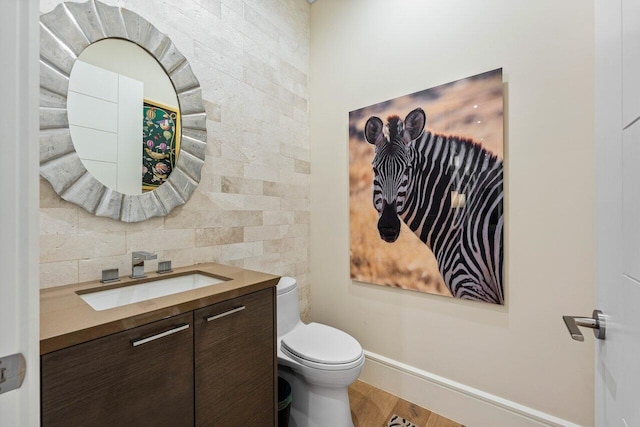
[(235, 362), (139, 377)]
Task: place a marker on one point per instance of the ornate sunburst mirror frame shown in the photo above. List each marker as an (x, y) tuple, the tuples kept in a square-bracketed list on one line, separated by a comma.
[(64, 33)]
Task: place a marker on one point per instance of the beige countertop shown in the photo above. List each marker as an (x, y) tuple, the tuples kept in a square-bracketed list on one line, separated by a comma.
[(66, 319)]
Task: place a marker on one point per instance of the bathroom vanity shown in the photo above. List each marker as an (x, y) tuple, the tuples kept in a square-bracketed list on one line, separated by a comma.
[(165, 350), (205, 356)]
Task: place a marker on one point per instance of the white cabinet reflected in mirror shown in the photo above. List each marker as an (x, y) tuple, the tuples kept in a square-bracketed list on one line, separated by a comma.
[(122, 123), (124, 116)]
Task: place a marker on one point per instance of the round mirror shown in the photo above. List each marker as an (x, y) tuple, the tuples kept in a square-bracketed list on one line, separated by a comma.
[(121, 113), (124, 116)]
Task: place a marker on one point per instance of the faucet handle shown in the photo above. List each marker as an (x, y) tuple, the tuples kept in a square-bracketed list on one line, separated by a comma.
[(164, 267), (110, 275)]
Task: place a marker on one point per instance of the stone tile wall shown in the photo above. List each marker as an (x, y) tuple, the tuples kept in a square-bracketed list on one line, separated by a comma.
[(251, 208)]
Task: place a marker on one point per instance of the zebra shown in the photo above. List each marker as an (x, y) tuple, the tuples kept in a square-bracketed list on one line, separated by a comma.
[(449, 191)]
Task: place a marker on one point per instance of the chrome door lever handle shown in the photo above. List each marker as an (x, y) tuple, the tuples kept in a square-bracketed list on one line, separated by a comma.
[(596, 322), (12, 371)]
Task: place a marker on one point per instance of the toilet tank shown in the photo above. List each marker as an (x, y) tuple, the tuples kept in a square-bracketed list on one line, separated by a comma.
[(288, 305)]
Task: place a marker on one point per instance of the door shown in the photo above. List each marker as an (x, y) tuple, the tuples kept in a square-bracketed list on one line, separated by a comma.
[(19, 276), (617, 151)]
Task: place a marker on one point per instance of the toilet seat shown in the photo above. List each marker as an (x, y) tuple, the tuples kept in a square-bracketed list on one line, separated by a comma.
[(322, 347)]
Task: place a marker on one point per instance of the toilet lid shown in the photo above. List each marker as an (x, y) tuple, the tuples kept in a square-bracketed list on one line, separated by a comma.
[(285, 284), (322, 344)]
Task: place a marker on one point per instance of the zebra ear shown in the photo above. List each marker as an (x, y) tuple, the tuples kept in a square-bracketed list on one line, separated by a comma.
[(373, 131), (414, 125)]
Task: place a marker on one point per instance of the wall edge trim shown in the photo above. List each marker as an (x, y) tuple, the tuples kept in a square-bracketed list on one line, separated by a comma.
[(484, 397)]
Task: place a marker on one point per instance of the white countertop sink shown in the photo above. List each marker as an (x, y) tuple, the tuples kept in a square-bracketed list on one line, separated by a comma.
[(116, 297)]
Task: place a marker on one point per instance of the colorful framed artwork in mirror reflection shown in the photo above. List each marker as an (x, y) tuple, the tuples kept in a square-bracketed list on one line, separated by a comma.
[(160, 143)]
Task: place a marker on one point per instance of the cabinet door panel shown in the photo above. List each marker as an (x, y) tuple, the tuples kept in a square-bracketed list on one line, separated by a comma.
[(110, 382), (235, 362)]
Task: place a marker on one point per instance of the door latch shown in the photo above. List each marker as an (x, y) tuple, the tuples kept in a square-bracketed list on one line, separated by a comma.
[(596, 322), (12, 372)]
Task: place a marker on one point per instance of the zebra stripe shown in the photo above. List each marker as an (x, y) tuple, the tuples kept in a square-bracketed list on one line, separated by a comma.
[(419, 176)]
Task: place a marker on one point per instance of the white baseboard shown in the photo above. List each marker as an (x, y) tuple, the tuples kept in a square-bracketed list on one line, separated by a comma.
[(461, 403)]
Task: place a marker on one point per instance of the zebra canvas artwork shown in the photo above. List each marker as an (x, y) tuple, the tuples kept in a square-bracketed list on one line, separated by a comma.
[(426, 190)]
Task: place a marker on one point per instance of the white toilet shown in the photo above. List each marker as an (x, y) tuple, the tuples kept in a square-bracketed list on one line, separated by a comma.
[(320, 362)]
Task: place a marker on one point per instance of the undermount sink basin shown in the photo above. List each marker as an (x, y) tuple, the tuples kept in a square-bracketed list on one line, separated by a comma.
[(116, 297)]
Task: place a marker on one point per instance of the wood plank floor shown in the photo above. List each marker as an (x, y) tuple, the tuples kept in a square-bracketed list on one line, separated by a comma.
[(372, 407)]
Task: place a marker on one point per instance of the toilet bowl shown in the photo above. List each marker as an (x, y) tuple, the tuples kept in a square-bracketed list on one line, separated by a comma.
[(320, 362)]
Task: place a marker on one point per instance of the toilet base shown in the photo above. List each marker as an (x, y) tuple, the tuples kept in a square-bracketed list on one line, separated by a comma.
[(315, 405)]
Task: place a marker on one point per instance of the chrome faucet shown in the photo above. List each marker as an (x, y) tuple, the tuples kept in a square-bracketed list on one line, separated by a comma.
[(137, 263)]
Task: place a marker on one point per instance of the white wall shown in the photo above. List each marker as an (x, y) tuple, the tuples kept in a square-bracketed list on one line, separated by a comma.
[(367, 51), (129, 59), (105, 123)]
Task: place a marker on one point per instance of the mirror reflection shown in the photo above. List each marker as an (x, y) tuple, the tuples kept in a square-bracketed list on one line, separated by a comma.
[(124, 116)]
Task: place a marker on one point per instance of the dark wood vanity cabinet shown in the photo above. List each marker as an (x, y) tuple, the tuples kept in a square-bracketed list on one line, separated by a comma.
[(122, 380), (235, 362), (214, 366)]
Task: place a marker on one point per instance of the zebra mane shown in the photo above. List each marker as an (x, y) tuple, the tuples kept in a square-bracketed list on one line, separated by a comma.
[(392, 125), (467, 143)]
